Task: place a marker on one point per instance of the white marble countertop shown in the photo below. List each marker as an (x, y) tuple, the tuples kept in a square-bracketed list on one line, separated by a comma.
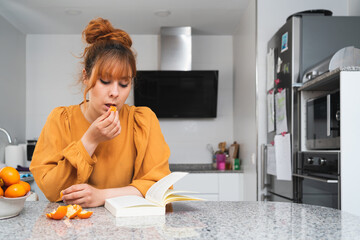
[(190, 220)]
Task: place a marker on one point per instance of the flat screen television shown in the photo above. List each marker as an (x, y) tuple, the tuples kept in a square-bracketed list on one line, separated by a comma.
[(178, 94)]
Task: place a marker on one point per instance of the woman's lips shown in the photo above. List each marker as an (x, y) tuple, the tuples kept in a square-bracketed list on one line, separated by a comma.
[(108, 105)]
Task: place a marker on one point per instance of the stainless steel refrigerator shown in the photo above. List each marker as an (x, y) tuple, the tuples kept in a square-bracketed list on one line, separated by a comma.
[(303, 41)]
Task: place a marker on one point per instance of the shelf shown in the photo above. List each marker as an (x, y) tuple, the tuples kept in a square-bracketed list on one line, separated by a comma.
[(326, 82)]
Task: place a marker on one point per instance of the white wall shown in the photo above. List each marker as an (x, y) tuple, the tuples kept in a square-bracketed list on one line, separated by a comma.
[(12, 84), (354, 7), (52, 70), (271, 15), (245, 97)]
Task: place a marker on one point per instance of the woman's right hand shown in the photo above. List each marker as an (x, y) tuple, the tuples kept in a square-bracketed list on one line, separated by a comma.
[(104, 128)]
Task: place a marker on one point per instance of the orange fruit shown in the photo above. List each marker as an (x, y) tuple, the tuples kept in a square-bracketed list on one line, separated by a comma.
[(61, 194), (113, 108), (73, 210), (58, 214), (26, 186), (1, 182), (84, 214), (9, 175), (1, 192), (15, 190)]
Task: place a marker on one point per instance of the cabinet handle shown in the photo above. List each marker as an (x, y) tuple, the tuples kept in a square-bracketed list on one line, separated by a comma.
[(328, 117)]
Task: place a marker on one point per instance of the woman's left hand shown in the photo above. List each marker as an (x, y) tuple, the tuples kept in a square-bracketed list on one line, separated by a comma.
[(83, 195)]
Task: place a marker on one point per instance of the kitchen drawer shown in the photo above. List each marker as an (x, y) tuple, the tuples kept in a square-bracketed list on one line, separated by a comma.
[(203, 183)]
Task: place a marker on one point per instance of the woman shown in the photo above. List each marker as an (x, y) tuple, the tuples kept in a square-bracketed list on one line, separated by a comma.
[(89, 153)]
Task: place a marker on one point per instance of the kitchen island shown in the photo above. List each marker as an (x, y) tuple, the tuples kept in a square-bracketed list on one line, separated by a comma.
[(190, 220)]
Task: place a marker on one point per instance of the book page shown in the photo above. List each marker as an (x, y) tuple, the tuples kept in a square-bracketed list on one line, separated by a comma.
[(129, 201), (158, 189), (175, 198)]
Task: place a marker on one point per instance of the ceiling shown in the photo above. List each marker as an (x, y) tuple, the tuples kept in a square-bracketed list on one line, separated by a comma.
[(206, 17)]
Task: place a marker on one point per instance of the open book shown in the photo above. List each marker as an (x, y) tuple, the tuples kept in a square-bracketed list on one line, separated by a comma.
[(154, 202)]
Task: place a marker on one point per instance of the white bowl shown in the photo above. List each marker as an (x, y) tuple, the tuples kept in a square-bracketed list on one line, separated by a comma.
[(11, 207)]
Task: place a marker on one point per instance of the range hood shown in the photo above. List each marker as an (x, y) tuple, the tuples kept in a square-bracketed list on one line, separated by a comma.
[(175, 48), (177, 91)]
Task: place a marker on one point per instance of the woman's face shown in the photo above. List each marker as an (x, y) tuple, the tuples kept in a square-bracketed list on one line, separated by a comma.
[(106, 93)]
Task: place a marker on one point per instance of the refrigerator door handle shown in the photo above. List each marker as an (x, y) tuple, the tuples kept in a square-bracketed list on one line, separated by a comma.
[(263, 166)]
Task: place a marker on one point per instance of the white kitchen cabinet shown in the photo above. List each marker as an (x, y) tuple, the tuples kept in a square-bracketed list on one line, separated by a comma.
[(231, 187), (348, 82), (349, 141), (213, 186)]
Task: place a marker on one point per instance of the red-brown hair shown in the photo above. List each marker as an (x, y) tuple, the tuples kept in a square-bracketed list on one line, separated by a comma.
[(108, 54)]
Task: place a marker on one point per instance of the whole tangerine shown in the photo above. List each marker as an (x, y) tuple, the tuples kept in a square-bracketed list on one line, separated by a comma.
[(1, 192), (26, 186), (15, 190), (10, 176)]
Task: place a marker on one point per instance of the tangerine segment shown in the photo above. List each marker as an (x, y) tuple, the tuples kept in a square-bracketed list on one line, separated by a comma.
[(73, 210), (113, 108), (58, 214), (15, 190), (85, 214), (9, 175)]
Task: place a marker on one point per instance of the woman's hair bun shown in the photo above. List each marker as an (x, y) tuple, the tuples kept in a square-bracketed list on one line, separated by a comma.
[(100, 29)]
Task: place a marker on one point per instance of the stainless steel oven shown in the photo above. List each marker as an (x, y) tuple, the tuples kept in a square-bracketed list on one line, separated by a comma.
[(319, 178), (323, 122)]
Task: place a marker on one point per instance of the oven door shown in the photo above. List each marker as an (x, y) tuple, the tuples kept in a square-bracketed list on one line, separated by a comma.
[(319, 178), (319, 191), (323, 122)]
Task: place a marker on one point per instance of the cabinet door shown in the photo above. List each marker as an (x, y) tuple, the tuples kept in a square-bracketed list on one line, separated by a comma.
[(231, 187), (206, 185)]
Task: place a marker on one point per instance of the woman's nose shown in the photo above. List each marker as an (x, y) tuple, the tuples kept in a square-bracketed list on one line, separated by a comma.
[(114, 89)]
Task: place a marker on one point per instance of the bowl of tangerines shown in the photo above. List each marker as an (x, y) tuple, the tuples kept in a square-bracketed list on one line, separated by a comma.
[(13, 192)]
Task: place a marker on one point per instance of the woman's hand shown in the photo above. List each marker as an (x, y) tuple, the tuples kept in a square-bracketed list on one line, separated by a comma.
[(104, 128), (83, 195), (88, 196)]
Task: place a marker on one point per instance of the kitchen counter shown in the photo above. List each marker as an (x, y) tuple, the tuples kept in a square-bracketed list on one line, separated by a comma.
[(199, 168), (190, 220)]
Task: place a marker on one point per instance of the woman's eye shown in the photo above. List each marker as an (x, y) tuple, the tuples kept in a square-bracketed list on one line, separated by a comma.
[(123, 85), (104, 82)]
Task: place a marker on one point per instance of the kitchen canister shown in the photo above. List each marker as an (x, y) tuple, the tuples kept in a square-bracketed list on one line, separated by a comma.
[(14, 155), (220, 161)]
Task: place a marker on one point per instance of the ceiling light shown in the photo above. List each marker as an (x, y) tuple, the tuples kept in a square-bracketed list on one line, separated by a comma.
[(162, 13), (73, 12)]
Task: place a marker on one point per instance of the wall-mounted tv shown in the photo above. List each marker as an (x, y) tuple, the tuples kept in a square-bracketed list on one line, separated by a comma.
[(178, 94)]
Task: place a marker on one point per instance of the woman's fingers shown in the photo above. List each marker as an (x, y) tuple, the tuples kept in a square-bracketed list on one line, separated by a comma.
[(83, 195), (111, 125)]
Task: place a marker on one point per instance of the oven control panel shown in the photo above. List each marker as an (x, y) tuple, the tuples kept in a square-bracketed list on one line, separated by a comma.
[(319, 162)]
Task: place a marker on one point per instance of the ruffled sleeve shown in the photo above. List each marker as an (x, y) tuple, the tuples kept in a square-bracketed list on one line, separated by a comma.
[(151, 163), (59, 161)]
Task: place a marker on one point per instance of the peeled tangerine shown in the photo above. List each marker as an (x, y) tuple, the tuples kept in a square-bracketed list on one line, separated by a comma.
[(84, 214), (113, 108), (58, 214), (71, 211)]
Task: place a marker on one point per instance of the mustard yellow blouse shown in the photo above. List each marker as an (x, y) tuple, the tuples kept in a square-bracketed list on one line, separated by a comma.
[(137, 157)]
